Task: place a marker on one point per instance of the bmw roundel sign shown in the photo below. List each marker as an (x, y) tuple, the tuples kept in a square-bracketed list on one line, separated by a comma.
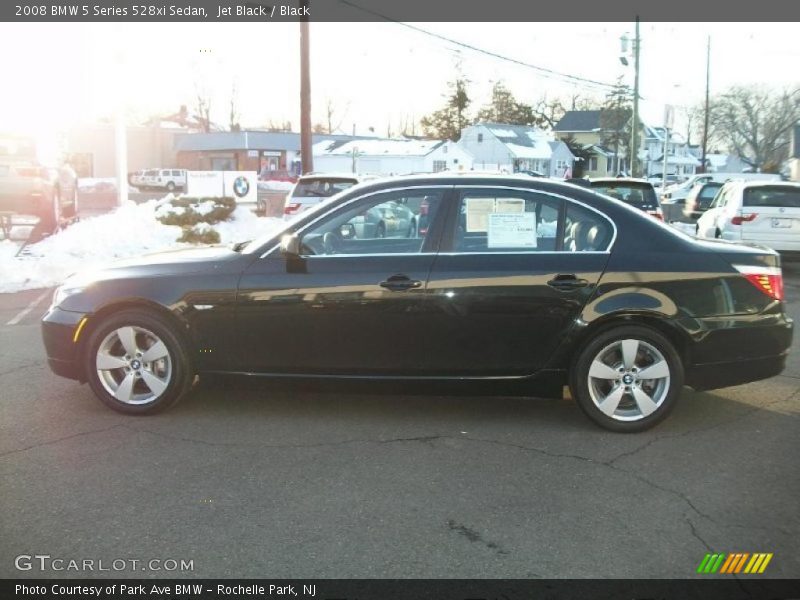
[(241, 186)]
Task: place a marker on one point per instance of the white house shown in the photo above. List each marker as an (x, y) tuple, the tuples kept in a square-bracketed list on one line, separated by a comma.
[(680, 161), (513, 148), (390, 156)]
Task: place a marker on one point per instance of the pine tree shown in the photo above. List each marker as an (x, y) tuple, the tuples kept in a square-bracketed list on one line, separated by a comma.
[(504, 108), (615, 117), (447, 122)]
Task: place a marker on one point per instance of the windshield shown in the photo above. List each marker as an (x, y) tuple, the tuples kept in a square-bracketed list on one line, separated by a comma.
[(321, 188), (282, 226)]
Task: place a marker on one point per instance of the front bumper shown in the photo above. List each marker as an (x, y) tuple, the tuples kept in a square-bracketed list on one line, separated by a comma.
[(63, 351)]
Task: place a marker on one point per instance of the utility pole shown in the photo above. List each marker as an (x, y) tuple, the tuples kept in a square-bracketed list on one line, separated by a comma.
[(705, 116), (634, 123), (306, 156)]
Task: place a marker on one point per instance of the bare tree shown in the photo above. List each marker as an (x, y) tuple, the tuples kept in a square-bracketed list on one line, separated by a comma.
[(755, 123), (334, 115), (202, 109), (233, 118)]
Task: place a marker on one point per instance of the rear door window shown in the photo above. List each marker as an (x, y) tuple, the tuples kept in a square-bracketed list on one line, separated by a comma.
[(506, 221), (707, 195)]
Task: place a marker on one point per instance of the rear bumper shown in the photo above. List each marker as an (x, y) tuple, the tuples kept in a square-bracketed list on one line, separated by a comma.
[(718, 375), (63, 352), (735, 351)]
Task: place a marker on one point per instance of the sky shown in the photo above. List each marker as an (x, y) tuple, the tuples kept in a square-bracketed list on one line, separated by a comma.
[(373, 74)]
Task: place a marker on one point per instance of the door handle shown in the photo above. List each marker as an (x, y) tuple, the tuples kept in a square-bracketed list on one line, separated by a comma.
[(400, 283), (565, 283)]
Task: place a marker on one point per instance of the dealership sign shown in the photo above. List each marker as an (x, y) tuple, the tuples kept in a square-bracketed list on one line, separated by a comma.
[(240, 185)]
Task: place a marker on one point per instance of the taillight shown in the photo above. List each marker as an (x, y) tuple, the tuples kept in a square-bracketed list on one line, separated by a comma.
[(423, 208), (767, 279), (657, 214), (739, 219), (290, 209)]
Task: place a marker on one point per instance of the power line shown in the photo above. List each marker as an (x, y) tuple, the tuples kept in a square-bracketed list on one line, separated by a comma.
[(544, 71)]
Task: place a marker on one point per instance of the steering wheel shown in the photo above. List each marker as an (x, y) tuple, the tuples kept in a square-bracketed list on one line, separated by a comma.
[(330, 241)]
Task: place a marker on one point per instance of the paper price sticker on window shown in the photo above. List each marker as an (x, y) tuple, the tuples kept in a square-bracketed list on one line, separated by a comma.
[(512, 230)]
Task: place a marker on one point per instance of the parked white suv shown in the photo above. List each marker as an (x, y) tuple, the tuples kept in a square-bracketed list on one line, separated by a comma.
[(164, 179), (759, 212)]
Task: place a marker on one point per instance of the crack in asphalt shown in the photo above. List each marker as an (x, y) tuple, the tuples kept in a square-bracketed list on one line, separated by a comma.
[(473, 536), (734, 419), (61, 439), (696, 535), (429, 439), (22, 368)]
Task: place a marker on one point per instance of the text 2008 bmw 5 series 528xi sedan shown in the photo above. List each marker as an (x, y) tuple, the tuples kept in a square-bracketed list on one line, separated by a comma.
[(526, 284)]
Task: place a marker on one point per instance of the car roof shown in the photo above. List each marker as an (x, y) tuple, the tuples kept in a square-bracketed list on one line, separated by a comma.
[(619, 180), (354, 176)]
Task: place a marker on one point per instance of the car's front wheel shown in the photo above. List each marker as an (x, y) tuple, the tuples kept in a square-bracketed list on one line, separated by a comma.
[(627, 379), (136, 364)]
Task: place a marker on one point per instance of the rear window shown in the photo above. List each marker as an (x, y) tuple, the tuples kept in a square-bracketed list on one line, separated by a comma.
[(639, 195), (321, 188), (773, 195)]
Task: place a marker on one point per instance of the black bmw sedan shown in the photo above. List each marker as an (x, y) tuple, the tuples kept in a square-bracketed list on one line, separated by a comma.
[(515, 282)]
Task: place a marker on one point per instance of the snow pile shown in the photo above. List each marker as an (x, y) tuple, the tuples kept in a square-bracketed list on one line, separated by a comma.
[(684, 227), (130, 230)]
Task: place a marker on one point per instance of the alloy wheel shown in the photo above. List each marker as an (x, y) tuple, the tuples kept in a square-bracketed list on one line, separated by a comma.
[(629, 380), (133, 365)]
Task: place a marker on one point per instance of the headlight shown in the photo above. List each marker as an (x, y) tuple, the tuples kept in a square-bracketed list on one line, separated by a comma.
[(65, 291)]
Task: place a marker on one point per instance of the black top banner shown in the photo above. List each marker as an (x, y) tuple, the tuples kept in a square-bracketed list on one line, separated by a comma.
[(494, 11)]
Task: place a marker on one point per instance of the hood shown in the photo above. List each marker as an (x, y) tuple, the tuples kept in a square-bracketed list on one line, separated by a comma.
[(159, 264)]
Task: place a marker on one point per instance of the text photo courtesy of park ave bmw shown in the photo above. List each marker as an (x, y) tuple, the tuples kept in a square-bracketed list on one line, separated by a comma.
[(358, 299)]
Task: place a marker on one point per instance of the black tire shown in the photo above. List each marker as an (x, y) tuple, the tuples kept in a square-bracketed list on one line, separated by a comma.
[(49, 213), (412, 229), (72, 211), (181, 374), (597, 347), (380, 230), (717, 233), (170, 187)]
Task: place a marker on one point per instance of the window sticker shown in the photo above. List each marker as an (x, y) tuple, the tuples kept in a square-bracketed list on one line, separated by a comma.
[(478, 210), (509, 205), (511, 230)]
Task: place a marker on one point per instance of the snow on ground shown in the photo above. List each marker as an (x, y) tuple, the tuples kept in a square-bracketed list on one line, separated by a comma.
[(130, 230), (93, 184), (684, 227)]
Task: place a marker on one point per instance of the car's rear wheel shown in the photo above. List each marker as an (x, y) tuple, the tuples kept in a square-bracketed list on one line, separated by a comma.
[(380, 231), (170, 187), (627, 379), (412, 229), (136, 364)]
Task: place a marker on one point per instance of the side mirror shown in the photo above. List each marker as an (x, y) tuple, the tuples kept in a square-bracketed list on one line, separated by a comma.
[(290, 245)]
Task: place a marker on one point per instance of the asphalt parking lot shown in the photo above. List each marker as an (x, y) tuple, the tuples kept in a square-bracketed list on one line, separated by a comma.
[(274, 481)]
